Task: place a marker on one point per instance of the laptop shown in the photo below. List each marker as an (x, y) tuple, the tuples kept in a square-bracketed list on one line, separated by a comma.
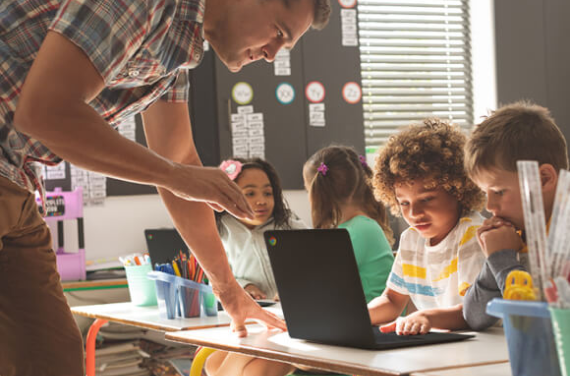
[(164, 244), (322, 296)]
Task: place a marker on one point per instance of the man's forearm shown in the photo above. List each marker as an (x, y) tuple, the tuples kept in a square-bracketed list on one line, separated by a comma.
[(80, 136), (195, 222)]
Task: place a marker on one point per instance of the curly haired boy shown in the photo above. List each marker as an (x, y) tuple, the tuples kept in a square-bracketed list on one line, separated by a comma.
[(420, 175)]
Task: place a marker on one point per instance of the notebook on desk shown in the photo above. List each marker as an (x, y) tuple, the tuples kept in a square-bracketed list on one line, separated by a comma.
[(164, 244), (321, 293)]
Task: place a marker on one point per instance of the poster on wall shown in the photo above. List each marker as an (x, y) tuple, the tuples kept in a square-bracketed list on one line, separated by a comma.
[(247, 126), (315, 93)]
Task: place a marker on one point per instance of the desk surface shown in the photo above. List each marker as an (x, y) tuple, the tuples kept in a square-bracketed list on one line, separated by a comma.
[(502, 369), (148, 317), (486, 348)]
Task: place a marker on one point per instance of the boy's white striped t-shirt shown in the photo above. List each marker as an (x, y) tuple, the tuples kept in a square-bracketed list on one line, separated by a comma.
[(438, 276)]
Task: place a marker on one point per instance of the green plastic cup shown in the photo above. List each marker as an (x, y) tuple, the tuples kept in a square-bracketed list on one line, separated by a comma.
[(141, 289), (561, 325), (210, 304)]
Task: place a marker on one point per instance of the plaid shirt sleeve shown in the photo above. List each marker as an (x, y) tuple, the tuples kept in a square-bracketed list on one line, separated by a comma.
[(108, 31), (179, 92)]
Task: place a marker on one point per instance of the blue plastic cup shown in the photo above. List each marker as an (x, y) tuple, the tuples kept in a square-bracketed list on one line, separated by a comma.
[(196, 299), (189, 299), (530, 340), (166, 293)]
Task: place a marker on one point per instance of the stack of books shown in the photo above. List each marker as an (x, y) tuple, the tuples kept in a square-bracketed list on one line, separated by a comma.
[(121, 359)]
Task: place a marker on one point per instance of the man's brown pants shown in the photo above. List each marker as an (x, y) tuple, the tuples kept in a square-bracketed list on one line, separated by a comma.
[(38, 335)]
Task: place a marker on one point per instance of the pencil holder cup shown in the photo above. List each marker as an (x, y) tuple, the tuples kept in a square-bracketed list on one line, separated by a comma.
[(194, 298), (141, 289), (561, 326), (180, 297), (210, 303), (166, 293), (528, 329)]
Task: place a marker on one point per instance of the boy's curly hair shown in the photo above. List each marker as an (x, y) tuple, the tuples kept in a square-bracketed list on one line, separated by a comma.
[(432, 151)]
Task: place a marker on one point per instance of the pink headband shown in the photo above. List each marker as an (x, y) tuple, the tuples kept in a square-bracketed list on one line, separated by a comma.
[(231, 168)]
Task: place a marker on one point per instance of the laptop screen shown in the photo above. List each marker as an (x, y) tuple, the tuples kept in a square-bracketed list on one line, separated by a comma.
[(164, 244), (319, 286)]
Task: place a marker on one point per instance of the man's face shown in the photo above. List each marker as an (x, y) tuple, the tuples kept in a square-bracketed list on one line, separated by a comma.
[(503, 194), (249, 30)]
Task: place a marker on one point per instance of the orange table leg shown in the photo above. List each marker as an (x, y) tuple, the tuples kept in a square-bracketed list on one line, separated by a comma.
[(90, 346)]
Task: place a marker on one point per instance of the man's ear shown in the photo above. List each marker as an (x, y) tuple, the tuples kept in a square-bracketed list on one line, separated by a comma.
[(548, 177)]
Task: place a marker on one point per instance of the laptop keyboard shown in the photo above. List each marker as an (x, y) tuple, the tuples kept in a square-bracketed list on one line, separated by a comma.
[(382, 338)]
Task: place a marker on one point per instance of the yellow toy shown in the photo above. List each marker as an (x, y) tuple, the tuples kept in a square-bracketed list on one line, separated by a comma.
[(519, 286)]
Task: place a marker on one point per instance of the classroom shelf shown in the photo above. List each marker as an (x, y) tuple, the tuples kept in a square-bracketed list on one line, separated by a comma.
[(94, 285)]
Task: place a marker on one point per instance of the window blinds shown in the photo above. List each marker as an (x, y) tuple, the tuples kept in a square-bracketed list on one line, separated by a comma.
[(415, 62)]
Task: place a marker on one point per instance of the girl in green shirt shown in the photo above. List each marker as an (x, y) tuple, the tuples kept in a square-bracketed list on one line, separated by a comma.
[(341, 196)]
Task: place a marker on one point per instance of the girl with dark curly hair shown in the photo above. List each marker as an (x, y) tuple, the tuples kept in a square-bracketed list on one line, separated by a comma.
[(243, 238)]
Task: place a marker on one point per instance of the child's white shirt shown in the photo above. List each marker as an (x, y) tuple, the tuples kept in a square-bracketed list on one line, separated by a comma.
[(438, 276), (247, 253)]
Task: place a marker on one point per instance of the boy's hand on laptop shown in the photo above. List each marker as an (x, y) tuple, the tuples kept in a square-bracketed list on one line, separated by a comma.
[(415, 323), (239, 305), (497, 234), (254, 291)]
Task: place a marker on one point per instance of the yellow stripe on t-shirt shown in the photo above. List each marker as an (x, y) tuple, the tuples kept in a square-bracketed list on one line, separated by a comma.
[(449, 270), (469, 234), (413, 271)]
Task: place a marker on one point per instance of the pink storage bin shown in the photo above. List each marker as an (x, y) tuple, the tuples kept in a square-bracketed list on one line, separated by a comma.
[(62, 206)]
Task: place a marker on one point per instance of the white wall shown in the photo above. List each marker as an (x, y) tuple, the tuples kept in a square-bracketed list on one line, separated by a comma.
[(117, 227), (483, 58)]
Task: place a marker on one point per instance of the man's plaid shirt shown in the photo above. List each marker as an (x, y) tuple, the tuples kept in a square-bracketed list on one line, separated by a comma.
[(141, 48)]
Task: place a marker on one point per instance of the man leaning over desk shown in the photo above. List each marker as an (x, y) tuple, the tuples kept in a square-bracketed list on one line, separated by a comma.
[(68, 70)]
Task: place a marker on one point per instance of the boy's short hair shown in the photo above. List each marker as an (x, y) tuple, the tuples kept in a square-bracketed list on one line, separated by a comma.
[(432, 151), (518, 131)]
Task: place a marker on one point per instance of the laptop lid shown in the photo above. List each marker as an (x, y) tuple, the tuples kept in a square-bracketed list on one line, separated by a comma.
[(164, 244), (321, 293), (319, 286)]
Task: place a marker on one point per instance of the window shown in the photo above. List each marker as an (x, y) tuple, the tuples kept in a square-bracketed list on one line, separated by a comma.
[(416, 63)]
